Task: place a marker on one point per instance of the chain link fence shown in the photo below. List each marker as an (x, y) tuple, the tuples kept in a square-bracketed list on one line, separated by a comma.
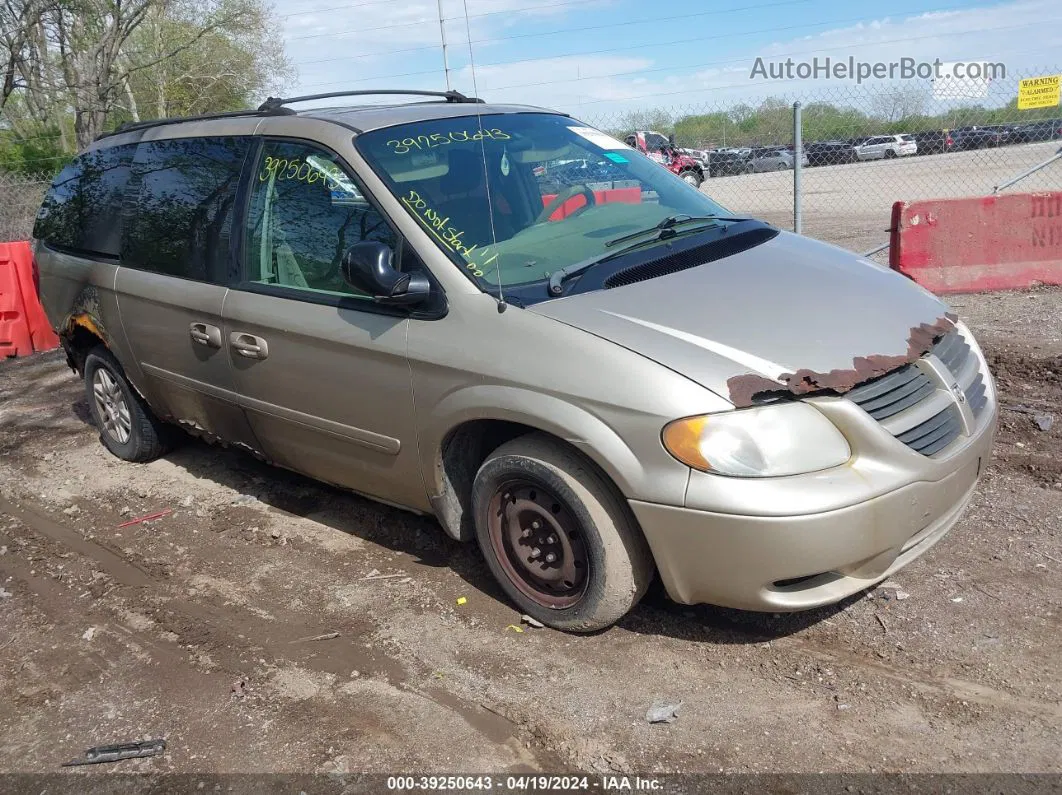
[(20, 198), (864, 148)]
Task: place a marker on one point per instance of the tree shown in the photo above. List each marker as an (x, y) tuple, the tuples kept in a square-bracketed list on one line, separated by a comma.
[(899, 101), (94, 60)]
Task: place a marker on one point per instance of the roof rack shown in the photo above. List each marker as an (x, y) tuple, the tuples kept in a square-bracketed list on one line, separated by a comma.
[(275, 103), (129, 126)]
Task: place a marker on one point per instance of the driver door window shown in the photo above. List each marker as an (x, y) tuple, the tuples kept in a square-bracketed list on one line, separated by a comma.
[(305, 212)]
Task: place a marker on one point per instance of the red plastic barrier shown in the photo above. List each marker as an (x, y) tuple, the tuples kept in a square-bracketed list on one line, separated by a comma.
[(23, 315), (15, 337), (624, 195), (982, 243)]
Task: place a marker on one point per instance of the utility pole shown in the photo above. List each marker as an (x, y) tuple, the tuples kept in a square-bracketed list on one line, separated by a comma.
[(442, 32)]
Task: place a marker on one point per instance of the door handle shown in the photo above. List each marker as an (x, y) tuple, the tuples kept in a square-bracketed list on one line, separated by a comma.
[(205, 334), (249, 345)]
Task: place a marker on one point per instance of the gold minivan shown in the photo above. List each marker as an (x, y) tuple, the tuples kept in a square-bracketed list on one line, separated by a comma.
[(505, 318)]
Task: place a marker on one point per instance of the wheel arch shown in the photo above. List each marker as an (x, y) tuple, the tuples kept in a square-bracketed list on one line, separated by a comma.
[(476, 421)]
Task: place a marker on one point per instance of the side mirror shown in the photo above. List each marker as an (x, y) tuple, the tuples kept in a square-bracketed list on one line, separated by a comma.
[(368, 267)]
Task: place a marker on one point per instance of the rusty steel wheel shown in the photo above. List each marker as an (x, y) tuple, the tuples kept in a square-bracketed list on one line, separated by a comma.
[(558, 535), (538, 543)]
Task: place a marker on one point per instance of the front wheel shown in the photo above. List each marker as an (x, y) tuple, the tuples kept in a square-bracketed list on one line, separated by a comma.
[(691, 177), (559, 539)]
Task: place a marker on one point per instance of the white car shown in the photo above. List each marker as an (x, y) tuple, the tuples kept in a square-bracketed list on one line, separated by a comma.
[(886, 146)]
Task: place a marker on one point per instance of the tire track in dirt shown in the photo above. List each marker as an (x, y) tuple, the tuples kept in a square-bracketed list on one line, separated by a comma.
[(284, 639)]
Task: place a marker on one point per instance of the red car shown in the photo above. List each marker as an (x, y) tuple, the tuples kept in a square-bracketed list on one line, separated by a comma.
[(663, 150)]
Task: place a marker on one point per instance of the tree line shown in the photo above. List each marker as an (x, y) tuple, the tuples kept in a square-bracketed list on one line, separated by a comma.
[(73, 69)]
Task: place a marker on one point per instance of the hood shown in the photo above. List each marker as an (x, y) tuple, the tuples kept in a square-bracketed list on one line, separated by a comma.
[(789, 315)]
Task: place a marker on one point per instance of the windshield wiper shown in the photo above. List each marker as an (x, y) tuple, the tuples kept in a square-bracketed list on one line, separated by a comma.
[(669, 223), (664, 231)]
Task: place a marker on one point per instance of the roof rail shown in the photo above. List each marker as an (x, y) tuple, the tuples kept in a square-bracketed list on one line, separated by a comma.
[(232, 114), (274, 103)]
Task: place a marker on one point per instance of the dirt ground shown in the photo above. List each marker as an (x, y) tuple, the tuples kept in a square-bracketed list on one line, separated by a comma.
[(201, 626)]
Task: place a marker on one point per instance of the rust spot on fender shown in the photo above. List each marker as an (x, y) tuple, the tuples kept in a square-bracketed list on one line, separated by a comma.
[(748, 390)]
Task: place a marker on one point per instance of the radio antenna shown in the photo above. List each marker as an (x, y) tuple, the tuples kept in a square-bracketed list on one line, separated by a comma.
[(483, 152)]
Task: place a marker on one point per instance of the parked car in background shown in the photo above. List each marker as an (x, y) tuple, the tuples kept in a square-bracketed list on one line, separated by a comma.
[(772, 159), (663, 150), (726, 162), (1035, 131), (933, 142), (982, 137), (828, 153), (886, 146)]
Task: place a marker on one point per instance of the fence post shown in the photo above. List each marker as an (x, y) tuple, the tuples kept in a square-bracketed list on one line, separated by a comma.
[(798, 165)]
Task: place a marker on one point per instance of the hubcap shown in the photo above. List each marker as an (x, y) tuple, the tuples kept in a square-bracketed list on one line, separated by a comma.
[(692, 180), (539, 544), (111, 407)]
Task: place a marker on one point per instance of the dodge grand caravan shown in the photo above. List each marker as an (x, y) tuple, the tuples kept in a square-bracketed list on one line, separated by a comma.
[(598, 381)]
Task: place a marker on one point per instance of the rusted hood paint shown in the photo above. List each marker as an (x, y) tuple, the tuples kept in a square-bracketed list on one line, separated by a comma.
[(792, 316), (747, 390)]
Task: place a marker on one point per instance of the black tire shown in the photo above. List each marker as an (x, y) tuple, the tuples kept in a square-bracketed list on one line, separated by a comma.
[(890, 154), (692, 177), (148, 437), (618, 566)]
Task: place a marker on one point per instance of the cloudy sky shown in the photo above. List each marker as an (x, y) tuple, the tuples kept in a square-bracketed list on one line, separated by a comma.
[(597, 58)]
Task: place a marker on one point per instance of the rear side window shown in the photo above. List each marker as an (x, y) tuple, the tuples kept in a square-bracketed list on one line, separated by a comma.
[(179, 208), (83, 209)]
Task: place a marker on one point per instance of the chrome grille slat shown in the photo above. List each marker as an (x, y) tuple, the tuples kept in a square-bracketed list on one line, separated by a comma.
[(914, 406)]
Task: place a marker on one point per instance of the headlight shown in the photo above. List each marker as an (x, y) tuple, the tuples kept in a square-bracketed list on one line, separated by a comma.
[(784, 439)]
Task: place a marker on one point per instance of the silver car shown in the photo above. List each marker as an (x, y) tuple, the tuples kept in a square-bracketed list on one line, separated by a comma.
[(772, 160), (597, 383)]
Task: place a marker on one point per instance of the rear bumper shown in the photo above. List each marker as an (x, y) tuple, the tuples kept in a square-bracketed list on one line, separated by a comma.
[(781, 563)]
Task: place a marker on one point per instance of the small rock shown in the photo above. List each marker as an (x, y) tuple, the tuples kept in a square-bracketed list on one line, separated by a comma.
[(90, 633), (48, 457), (1043, 421), (187, 502), (843, 707), (5, 594), (661, 712), (1019, 444), (355, 674), (71, 510), (901, 595), (126, 510), (532, 622), (239, 688), (202, 514), (957, 599), (245, 499), (274, 533), (3, 550)]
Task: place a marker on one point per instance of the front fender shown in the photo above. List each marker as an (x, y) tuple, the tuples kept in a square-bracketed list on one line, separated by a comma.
[(544, 412)]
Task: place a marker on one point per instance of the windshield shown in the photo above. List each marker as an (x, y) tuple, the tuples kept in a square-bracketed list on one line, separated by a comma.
[(558, 190)]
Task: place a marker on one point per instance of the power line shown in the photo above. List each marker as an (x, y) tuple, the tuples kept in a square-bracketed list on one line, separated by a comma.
[(638, 46), (1038, 22), (647, 21)]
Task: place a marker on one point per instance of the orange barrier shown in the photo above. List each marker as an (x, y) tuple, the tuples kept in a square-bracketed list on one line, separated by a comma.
[(980, 243), (24, 327)]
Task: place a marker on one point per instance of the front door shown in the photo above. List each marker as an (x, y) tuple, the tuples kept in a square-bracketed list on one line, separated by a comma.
[(321, 369), (171, 284)]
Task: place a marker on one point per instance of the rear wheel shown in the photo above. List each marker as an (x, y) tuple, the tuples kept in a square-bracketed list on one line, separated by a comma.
[(890, 154), (127, 426), (556, 535)]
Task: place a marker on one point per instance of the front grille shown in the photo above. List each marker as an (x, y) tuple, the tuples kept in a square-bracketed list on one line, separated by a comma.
[(893, 393), (916, 407)]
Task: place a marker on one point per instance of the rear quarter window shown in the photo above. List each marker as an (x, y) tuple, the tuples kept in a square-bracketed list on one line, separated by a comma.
[(82, 210), (178, 217)]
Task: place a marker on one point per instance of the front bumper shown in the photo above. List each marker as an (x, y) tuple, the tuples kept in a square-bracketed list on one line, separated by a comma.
[(793, 543)]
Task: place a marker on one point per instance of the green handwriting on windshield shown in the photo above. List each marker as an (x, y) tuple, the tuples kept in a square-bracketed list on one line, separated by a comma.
[(434, 140), (450, 236)]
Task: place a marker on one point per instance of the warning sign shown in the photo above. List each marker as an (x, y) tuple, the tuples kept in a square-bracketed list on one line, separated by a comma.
[(1039, 92)]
